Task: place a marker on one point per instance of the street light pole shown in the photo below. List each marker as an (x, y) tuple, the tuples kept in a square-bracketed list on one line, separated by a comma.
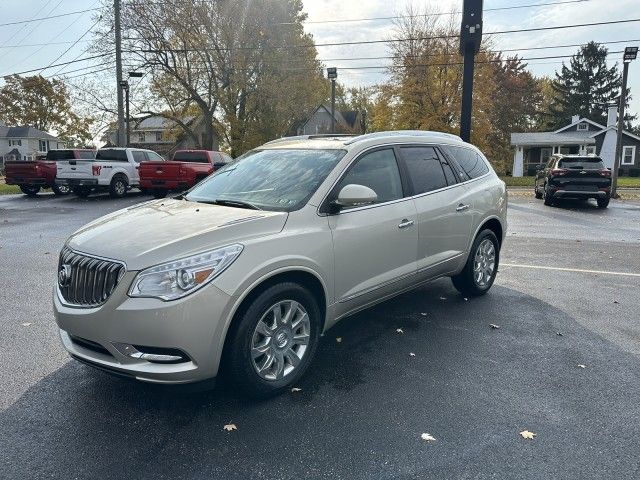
[(125, 85), (118, 35), (470, 40), (630, 53)]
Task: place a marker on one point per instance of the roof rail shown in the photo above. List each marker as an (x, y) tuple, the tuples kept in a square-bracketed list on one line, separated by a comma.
[(311, 137), (406, 133)]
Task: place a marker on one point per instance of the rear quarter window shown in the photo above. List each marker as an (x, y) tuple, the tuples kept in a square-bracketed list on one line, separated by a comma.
[(471, 163)]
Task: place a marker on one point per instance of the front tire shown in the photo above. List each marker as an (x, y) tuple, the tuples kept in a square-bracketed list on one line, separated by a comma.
[(59, 190), (603, 202), (273, 341), (481, 268), (30, 190), (118, 187)]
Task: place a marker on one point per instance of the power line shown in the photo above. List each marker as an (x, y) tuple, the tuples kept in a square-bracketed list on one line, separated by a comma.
[(59, 64), (67, 42), (2, 45), (20, 22)]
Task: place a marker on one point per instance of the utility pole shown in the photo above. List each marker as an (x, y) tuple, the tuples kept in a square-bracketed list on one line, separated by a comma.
[(630, 53), (121, 130), (125, 85), (470, 39), (332, 74)]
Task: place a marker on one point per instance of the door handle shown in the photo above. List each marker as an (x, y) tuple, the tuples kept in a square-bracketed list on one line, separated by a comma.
[(462, 207), (405, 223)]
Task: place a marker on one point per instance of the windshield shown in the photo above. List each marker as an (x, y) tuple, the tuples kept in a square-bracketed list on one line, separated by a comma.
[(280, 180), (587, 163)]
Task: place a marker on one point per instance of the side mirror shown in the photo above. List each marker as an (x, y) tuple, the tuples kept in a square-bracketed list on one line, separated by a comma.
[(353, 195), (218, 165)]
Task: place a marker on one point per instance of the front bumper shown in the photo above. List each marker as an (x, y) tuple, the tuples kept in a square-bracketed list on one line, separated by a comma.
[(80, 182), (108, 336)]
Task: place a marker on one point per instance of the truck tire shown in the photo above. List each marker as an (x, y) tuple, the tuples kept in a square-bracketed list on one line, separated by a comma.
[(82, 192), (118, 186), (60, 190), (159, 193), (30, 190)]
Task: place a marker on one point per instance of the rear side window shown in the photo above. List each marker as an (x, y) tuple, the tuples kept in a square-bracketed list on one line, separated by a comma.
[(470, 162), (425, 169), (111, 155), (582, 163), (196, 157), (379, 171)]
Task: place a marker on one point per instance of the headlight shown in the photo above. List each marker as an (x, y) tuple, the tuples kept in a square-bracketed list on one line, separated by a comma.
[(173, 280)]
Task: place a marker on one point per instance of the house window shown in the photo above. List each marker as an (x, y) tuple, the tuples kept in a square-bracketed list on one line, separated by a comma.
[(158, 136), (42, 146), (141, 137), (591, 150), (545, 155), (628, 154), (583, 127)]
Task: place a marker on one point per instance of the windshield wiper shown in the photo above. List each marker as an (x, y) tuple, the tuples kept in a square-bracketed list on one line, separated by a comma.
[(233, 203)]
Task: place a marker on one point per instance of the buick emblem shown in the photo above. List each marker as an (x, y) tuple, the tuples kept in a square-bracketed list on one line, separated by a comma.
[(64, 275)]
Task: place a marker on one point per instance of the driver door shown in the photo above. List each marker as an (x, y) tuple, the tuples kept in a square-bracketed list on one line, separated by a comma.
[(375, 246)]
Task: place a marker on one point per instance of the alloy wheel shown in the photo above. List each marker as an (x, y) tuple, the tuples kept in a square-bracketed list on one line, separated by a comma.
[(280, 340), (484, 263)]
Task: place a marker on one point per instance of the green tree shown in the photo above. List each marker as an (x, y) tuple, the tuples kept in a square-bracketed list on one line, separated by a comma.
[(43, 104), (585, 87)]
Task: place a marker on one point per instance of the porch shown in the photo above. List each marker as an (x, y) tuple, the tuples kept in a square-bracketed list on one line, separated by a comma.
[(533, 149)]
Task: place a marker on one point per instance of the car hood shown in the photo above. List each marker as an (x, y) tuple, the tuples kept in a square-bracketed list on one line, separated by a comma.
[(163, 230)]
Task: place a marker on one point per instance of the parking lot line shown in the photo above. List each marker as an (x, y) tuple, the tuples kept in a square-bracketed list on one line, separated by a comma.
[(578, 270)]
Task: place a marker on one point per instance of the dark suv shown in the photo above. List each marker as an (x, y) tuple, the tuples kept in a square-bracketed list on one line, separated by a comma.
[(574, 176)]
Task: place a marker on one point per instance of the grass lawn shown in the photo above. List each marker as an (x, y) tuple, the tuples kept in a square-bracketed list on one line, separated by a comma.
[(7, 189), (623, 182)]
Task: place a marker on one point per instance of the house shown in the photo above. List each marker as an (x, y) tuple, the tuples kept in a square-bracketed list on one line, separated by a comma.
[(162, 135), (582, 136), (25, 143), (319, 122)]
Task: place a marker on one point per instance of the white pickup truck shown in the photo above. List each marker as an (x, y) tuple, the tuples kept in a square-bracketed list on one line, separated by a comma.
[(114, 170)]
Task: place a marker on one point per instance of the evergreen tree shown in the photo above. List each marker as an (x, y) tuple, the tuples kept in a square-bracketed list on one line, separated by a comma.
[(585, 87)]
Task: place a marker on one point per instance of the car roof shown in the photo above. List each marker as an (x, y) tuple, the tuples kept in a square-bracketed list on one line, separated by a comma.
[(346, 142)]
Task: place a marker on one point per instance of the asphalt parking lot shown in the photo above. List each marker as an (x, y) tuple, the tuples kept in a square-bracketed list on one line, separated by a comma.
[(564, 364)]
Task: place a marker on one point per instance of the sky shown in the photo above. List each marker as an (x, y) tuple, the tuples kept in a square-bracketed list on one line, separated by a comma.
[(18, 54)]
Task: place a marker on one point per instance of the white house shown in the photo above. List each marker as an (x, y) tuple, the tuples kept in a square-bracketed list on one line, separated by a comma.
[(582, 136), (25, 143)]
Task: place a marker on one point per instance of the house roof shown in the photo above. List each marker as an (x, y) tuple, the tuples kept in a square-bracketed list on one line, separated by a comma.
[(159, 123), (613, 127), (24, 132), (550, 138), (580, 120)]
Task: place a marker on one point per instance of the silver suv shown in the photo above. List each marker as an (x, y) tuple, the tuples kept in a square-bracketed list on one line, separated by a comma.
[(247, 269)]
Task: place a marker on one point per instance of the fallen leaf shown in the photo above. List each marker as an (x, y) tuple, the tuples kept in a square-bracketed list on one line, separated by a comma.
[(399, 330), (582, 366), (427, 437), (466, 299), (423, 314), (411, 354), (527, 434), (230, 427), (615, 301), (296, 389), (339, 339), (443, 298), (559, 334), (494, 326), (26, 324), (46, 253)]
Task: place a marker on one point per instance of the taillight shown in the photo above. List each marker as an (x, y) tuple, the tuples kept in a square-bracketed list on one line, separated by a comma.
[(605, 172), (95, 169), (559, 171)]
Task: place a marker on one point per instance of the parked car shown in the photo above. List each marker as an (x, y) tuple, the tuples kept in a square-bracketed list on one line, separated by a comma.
[(247, 269), (573, 176), (33, 176), (187, 168), (114, 170)]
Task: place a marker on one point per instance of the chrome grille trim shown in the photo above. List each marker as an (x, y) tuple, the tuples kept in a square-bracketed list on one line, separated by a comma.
[(93, 278)]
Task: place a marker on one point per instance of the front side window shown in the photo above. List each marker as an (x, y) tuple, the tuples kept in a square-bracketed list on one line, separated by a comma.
[(425, 169), (628, 155), (470, 162), (378, 171), (138, 156), (154, 157), (273, 179)]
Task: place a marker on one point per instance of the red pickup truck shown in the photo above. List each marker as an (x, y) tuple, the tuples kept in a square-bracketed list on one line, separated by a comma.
[(186, 169), (32, 176)]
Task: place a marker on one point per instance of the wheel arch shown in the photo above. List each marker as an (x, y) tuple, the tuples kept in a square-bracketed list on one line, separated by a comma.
[(495, 225)]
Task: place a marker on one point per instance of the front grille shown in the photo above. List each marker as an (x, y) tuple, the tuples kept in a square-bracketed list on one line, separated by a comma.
[(87, 281)]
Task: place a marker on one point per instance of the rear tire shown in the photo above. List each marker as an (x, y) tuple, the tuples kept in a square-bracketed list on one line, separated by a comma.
[(479, 273), (82, 192), (548, 197), (537, 192), (30, 190), (603, 202), (59, 190), (118, 186), (278, 349), (158, 193)]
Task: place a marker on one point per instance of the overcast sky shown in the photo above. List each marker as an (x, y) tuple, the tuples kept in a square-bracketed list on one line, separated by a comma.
[(17, 56)]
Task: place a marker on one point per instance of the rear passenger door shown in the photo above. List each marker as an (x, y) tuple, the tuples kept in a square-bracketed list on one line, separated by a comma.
[(443, 209)]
